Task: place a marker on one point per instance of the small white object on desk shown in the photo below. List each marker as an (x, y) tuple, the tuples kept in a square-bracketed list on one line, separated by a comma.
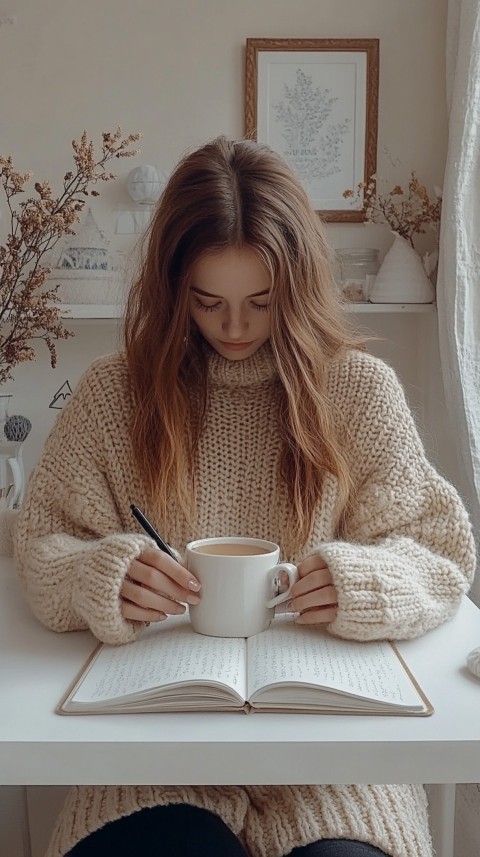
[(473, 662), (16, 429)]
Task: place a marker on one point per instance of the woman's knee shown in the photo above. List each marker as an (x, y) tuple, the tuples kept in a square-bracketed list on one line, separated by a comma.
[(337, 848), (175, 830)]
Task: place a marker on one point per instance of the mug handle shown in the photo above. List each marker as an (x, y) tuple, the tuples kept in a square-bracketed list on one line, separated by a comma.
[(292, 573)]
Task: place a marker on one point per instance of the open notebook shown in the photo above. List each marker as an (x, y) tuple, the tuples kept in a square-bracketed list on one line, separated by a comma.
[(286, 668)]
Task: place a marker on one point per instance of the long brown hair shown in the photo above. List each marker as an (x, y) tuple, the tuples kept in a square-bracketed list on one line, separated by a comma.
[(236, 194)]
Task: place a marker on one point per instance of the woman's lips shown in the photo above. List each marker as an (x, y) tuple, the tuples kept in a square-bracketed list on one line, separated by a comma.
[(235, 346)]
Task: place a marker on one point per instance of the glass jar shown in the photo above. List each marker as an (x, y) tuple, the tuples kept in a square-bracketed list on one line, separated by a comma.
[(357, 267)]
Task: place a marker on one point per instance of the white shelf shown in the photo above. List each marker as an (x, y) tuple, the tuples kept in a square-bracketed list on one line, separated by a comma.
[(92, 311), (377, 308), (98, 311)]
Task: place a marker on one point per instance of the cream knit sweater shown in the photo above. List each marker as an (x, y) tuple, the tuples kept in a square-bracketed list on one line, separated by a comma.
[(407, 558)]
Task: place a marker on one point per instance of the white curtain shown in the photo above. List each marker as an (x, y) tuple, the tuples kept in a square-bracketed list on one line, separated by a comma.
[(458, 286)]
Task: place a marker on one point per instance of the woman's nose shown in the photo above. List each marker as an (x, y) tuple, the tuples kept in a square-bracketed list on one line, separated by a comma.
[(235, 325)]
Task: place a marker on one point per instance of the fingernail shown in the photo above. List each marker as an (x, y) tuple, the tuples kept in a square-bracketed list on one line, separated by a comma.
[(194, 584), (193, 599)]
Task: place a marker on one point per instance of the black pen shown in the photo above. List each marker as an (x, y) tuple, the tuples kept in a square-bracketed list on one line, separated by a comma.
[(151, 531)]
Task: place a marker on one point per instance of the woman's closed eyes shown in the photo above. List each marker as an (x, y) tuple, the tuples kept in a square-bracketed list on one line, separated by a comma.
[(212, 307)]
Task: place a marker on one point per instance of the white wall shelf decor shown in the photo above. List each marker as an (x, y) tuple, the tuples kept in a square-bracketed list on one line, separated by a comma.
[(390, 308), (100, 311), (92, 311)]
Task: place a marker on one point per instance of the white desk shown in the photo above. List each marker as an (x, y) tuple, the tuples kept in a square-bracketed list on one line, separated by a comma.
[(38, 747)]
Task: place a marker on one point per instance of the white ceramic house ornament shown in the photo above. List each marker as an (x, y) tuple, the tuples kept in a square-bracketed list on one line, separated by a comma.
[(83, 267)]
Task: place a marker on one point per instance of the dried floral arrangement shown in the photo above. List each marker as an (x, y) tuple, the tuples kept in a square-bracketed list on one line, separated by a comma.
[(408, 212), (27, 311)]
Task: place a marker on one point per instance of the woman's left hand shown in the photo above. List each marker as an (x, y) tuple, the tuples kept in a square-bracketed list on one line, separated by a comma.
[(314, 596)]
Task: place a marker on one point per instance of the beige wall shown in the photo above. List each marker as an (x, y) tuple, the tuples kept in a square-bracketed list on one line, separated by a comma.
[(174, 70)]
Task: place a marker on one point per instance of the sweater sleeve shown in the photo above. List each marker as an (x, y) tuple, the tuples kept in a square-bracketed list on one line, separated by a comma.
[(70, 551), (408, 553)]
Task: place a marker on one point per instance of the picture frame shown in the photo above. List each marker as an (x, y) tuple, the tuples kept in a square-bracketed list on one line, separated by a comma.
[(315, 101)]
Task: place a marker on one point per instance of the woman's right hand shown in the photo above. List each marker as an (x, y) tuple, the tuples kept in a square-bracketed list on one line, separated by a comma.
[(155, 586)]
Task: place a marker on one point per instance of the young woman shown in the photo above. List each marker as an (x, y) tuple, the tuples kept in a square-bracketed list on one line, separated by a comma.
[(241, 404)]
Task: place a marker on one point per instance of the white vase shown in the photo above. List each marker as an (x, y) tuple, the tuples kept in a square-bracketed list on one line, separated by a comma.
[(402, 277), (12, 473)]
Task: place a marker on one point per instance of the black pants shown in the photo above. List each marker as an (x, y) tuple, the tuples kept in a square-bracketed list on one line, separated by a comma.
[(181, 830)]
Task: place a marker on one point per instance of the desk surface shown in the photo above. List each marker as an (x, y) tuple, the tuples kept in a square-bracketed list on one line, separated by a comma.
[(38, 747)]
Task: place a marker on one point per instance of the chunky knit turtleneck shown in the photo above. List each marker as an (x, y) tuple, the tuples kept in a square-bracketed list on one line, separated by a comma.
[(406, 558), (253, 371)]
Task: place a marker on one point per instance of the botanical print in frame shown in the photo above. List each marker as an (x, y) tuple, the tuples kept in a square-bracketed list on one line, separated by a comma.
[(315, 101)]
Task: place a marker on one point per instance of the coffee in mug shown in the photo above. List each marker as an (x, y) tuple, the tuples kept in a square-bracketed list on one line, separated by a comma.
[(234, 549), (240, 585)]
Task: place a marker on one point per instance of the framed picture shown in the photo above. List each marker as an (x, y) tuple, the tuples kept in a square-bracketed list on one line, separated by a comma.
[(315, 101)]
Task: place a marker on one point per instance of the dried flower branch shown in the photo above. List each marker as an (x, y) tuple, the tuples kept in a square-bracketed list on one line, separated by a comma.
[(407, 212), (26, 310)]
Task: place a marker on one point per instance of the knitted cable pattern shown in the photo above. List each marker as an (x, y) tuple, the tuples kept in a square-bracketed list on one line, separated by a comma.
[(405, 559)]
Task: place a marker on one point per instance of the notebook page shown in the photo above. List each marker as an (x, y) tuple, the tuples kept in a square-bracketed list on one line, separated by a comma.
[(292, 653), (164, 656)]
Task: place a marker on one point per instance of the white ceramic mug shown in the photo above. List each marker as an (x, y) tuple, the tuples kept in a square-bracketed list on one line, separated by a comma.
[(241, 581)]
